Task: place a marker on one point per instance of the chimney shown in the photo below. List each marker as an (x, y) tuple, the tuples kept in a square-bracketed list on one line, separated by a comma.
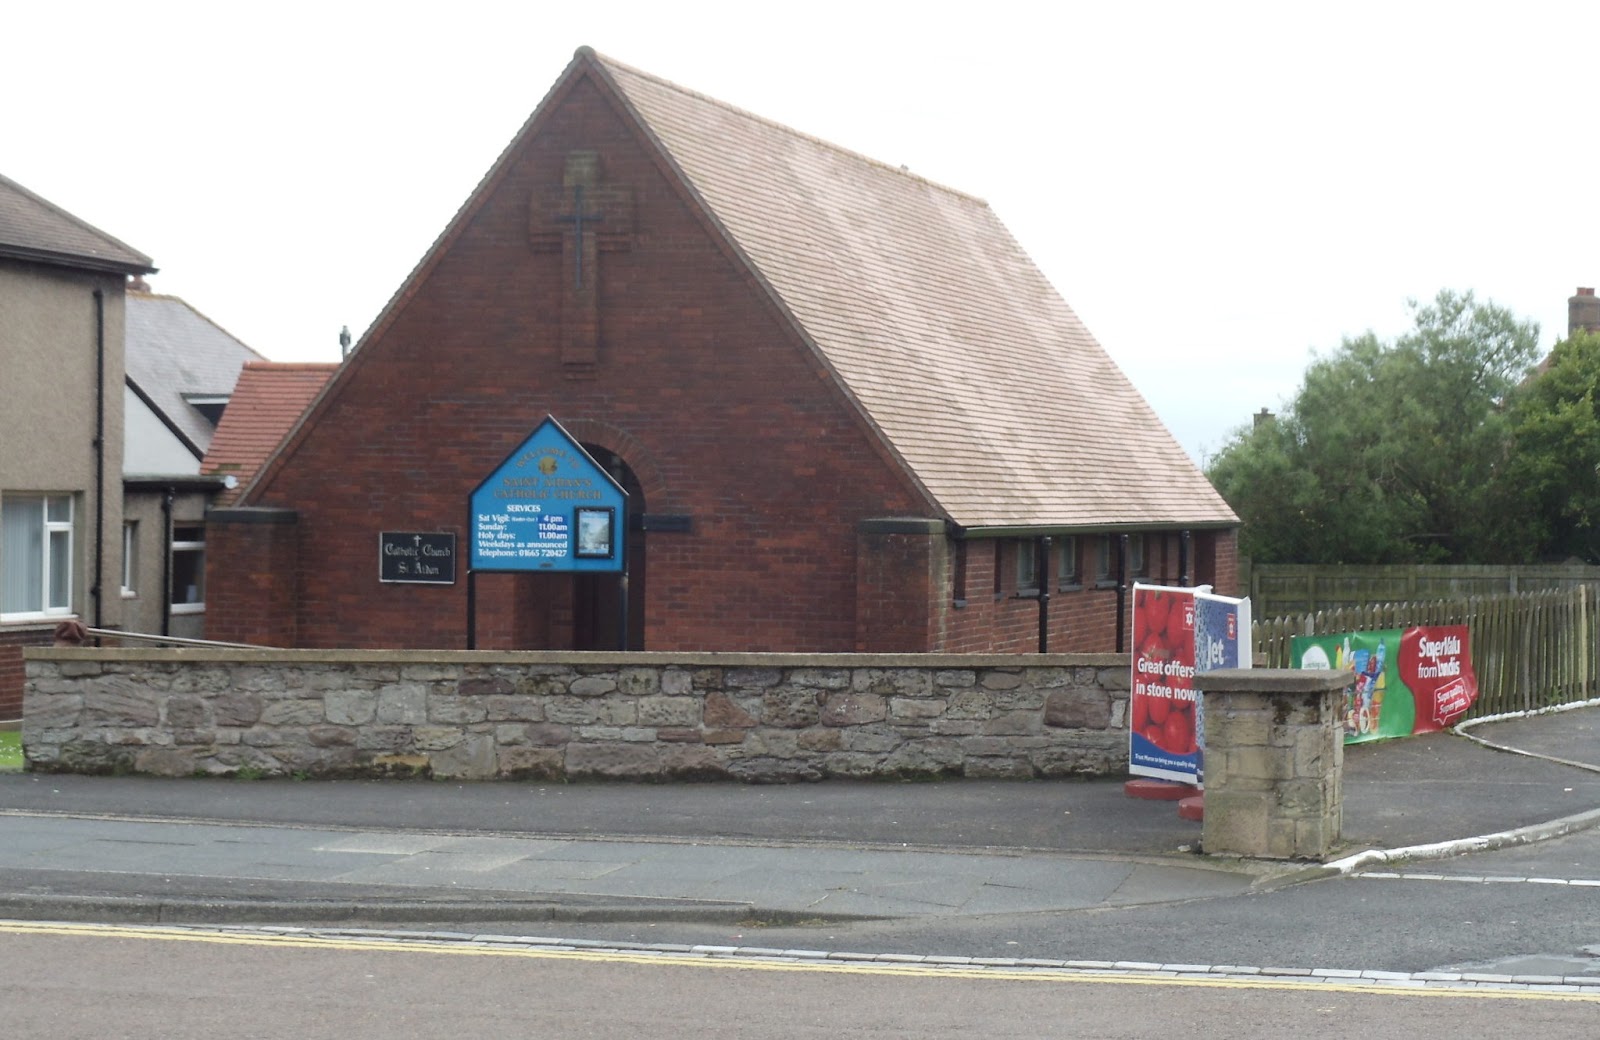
[(1583, 312), (1261, 418)]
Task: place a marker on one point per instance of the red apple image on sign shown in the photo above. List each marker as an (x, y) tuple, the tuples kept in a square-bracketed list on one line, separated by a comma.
[(1161, 708)]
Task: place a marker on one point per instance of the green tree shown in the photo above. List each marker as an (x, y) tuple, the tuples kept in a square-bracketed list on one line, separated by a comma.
[(1554, 418), (1389, 452)]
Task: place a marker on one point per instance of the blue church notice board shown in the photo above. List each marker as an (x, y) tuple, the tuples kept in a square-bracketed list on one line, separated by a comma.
[(549, 507)]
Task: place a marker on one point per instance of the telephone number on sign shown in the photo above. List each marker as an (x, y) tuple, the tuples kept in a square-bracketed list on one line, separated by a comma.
[(542, 553)]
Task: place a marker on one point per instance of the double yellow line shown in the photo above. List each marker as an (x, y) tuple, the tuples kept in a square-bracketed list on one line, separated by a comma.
[(752, 963)]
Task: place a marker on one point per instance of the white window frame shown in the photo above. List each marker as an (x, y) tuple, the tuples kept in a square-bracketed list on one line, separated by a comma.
[(51, 529), (130, 559), (188, 546)]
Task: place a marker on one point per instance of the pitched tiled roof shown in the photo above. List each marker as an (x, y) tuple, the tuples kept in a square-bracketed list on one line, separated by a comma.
[(267, 401), (33, 229), (174, 352), (954, 345)]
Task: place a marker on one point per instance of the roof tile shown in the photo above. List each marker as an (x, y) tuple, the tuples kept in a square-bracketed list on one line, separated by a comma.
[(267, 401), (173, 351), (953, 343), (33, 228)]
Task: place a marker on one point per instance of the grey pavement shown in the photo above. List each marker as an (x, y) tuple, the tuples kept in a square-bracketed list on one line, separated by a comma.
[(133, 848)]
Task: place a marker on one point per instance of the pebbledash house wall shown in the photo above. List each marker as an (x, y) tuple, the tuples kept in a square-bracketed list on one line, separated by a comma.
[(48, 383), (758, 718)]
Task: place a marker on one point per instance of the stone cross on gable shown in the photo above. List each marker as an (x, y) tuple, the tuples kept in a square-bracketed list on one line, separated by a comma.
[(581, 219)]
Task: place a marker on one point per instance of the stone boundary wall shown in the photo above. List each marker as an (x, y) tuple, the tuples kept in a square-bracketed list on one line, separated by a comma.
[(757, 718)]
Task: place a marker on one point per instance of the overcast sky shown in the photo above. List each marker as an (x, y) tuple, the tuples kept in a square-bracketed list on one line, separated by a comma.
[(1217, 189)]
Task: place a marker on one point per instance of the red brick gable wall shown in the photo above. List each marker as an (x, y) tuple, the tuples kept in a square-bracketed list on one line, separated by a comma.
[(718, 407), (252, 562)]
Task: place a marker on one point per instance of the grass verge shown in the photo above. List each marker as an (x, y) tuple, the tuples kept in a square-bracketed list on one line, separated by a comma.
[(10, 751)]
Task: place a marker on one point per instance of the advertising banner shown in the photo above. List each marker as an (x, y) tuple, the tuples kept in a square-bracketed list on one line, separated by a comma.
[(1406, 681), (1176, 633), (1162, 736)]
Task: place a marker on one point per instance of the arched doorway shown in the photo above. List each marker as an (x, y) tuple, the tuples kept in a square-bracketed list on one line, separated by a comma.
[(597, 598)]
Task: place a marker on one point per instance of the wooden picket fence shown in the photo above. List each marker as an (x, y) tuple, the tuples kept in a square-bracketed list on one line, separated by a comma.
[(1529, 650), (1290, 588)]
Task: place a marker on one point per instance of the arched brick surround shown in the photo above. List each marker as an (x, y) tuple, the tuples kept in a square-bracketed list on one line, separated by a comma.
[(635, 454)]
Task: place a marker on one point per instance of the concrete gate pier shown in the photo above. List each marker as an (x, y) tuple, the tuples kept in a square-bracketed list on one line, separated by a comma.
[(1274, 761)]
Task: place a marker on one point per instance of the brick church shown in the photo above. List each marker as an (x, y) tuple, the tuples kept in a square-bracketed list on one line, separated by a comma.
[(849, 413)]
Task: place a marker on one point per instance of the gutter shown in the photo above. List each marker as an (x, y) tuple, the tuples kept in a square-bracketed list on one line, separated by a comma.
[(166, 561), (99, 454), (1135, 527)]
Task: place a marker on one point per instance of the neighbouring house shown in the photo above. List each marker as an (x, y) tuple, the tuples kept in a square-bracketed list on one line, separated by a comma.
[(1583, 311), (267, 401), (849, 413), (63, 288), (181, 371)]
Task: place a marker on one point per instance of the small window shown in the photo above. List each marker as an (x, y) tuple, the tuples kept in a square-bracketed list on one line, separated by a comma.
[(130, 558), (188, 569), (959, 565), (1027, 566), (1136, 559), (208, 405), (1102, 558), (36, 555), (999, 569), (1067, 562)]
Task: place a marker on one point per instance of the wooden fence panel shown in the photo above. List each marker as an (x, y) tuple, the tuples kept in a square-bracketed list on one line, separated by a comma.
[(1277, 589), (1529, 649)]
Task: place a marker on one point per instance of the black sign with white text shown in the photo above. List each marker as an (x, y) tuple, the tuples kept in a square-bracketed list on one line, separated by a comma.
[(417, 557)]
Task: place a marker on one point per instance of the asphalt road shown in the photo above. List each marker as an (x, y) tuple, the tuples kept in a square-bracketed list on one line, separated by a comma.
[(66, 984), (1098, 875), (1426, 919)]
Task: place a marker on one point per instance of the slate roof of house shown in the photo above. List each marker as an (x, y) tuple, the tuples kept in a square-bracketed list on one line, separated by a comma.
[(953, 343), (267, 401), (34, 229), (174, 352)]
